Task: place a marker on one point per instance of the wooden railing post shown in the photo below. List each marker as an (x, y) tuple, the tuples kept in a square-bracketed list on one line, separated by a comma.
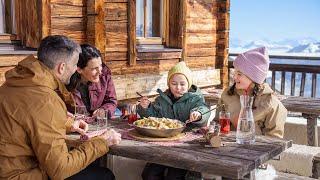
[(312, 129), (96, 30)]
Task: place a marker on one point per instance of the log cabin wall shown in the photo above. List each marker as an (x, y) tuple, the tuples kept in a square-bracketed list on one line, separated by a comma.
[(68, 17), (197, 30)]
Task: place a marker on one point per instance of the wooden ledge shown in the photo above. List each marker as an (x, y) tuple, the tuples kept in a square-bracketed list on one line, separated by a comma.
[(158, 53)]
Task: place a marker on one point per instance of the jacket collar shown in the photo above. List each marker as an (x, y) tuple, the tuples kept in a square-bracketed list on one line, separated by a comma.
[(193, 91), (31, 72), (266, 89)]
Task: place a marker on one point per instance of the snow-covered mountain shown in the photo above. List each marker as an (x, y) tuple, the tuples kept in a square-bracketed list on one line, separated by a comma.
[(306, 45), (306, 48)]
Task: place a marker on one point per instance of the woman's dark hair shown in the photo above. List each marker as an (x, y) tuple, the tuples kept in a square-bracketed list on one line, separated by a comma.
[(88, 52), (257, 87)]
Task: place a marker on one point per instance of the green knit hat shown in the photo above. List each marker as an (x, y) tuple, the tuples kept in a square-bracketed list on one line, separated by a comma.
[(181, 68)]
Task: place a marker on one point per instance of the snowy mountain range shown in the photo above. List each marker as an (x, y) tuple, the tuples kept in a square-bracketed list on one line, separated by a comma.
[(306, 45)]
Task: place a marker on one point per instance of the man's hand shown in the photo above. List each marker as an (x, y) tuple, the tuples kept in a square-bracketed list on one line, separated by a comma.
[(112, 137), (144, 102), (79, 126)]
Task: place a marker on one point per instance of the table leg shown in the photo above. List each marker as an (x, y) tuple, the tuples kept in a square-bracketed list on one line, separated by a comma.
[(110, 162), (312, 129)]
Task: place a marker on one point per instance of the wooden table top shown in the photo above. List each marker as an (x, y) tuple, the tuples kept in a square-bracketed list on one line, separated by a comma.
[(231, 160)]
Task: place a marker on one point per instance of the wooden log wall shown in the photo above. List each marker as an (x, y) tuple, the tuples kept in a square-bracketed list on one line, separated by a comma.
[(117, 43), (69, 18), (206, 35), (200, 33), (198, 29), (223, 27), (29, 22)]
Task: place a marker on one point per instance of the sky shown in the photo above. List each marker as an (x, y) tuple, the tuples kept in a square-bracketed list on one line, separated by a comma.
[(274, 19)]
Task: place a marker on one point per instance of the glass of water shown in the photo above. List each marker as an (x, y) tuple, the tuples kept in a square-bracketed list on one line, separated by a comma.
[(102, 119), (80, 113)]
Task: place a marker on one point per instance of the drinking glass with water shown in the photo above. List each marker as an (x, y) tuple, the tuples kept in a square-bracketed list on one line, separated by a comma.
[(102, 119), (80, 112)]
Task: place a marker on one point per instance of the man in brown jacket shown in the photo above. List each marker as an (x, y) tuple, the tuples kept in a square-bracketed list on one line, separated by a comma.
[(33, 120)]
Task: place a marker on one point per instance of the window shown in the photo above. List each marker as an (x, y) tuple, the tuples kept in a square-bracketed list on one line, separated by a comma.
[(150, 21)]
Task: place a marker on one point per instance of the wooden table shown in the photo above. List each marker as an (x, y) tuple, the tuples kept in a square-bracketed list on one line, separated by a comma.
[(232, 160), (309, 107)]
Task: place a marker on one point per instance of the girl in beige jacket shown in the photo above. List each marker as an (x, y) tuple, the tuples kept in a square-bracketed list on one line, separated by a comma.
[(251, 70)]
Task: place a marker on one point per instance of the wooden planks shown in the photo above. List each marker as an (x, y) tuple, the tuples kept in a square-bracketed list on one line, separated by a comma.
[(231, 161), (176, 25), (117, 32), (28, 22), (142, 66), (96, 31), (69, 18)]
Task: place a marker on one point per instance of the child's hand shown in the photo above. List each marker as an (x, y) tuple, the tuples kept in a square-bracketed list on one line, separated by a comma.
[(144, 102), (194, 116)]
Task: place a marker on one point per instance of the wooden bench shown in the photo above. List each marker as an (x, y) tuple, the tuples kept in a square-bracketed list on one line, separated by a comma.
[(316, 166), (309, 107)]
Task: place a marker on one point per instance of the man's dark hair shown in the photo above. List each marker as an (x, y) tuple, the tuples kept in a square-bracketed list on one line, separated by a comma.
[(55, 49)]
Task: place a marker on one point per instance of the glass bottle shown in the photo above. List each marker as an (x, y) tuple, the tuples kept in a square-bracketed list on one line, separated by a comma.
[(245, 128)]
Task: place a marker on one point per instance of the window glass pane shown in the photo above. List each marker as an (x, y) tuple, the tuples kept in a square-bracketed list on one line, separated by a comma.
[(153, 20), (139, 18)]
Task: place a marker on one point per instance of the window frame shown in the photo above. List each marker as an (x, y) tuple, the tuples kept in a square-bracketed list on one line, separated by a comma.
[(163, 28)]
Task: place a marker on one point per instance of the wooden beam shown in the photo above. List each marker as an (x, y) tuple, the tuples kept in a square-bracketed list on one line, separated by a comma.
[(96, 30), (184, 23), (132, 32), (45, 19), (8, 17), (175, 24)]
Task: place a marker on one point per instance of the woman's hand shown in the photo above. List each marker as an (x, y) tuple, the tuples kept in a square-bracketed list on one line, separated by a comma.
[(94, 114), (79, 126), (194, 116), (144, 102)]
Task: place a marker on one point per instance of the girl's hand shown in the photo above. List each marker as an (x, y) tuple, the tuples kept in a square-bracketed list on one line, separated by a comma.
[(144, 102), (194, 116)]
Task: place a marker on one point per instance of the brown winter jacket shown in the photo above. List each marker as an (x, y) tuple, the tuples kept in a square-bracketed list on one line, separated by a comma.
[(269, 115), (33, 125)]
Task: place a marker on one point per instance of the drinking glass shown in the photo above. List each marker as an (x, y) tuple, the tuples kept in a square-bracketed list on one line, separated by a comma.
[(132, 111), (224, 120), (102, 119), (80, 112)]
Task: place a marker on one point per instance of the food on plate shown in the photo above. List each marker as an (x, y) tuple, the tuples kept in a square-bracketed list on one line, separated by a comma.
[(158, 123)]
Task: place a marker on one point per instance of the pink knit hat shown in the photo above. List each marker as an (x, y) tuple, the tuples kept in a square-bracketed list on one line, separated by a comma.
[(254, 64)]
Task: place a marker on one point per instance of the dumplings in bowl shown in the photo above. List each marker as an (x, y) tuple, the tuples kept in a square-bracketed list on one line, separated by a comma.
[(159, 127)]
